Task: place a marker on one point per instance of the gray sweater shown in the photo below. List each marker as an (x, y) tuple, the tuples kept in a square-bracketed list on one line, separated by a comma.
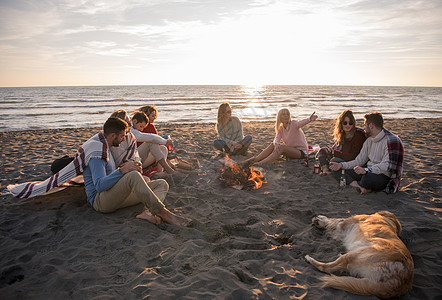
[(231, 132)]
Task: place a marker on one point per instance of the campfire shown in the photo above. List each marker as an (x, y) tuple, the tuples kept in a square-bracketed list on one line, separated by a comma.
[(241, 178)]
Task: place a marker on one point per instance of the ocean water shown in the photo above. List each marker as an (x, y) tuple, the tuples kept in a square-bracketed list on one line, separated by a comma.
[(30, 108)]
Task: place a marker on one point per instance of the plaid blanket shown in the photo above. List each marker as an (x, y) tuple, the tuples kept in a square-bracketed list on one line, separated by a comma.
[(95, 147), (396, 159), (126, 151)]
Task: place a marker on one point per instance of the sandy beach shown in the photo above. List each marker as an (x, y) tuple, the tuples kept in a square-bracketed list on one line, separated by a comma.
[(239, 245)]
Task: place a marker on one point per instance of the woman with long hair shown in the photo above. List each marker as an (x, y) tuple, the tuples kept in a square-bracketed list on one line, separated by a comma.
[(348, 142), (229, 129), (290, 133), (152, 114)]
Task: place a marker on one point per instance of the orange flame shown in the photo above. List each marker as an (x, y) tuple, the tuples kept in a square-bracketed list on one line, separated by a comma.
[(241, 177), (257, 177)]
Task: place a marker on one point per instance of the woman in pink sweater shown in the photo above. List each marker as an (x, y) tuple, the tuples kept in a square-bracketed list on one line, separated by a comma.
[(290, 132)]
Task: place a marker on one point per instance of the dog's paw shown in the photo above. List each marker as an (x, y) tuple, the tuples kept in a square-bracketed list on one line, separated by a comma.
[(320, 221)]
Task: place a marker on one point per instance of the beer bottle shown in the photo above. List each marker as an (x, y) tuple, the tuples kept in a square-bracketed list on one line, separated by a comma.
[(342, 181)]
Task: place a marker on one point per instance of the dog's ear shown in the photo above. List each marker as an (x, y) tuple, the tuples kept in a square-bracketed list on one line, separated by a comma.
[(393, 220)]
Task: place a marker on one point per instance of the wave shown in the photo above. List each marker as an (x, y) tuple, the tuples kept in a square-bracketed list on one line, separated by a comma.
[(55, 107), (47, 114), (12, 102), (88, 100), (61, 107), (430, 111)]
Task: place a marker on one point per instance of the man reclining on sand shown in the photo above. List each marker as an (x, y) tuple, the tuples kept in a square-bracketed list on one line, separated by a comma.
[(108, 188)]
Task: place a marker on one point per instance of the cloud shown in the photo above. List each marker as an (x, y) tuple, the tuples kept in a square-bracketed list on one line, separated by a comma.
[(218, 38), (17, 23)]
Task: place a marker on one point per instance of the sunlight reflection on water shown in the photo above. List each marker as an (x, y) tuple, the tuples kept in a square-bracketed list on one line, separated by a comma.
[(63, 107)]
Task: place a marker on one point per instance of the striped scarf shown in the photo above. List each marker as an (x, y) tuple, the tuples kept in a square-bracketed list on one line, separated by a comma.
[(95, 147), (396, 159), (126, 151)]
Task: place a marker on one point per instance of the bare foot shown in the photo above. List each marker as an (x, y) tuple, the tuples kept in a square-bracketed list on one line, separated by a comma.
[(185, 165), (361, 189), (247, 163), (166, 174), (325, 172), (146, 215), (170, 218), (364, 190), (174, 173)]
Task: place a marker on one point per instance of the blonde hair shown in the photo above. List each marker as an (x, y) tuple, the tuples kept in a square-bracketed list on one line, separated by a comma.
[(223, 117), (121, 114), (148, 109), (338, 132), (278, 124)]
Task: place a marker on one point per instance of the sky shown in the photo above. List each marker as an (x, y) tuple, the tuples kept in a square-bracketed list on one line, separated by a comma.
[(149, 42)]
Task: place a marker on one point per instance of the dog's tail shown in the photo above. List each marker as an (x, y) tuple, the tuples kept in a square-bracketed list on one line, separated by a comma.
[(360, 286)]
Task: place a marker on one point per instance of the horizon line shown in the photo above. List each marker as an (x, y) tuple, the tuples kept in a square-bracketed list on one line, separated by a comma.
[(245, 85)]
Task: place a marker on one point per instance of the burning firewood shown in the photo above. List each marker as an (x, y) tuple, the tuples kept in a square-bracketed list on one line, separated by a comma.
[(240, 178)]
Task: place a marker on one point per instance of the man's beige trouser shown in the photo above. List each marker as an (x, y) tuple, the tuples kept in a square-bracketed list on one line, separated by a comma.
[(131, 189)]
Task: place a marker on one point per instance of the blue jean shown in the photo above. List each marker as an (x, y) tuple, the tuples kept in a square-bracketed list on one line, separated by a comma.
[(324, 156), (221, 145)]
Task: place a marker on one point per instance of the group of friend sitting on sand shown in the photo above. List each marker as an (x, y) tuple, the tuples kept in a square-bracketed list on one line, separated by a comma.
[(372, 157), (113, 160)]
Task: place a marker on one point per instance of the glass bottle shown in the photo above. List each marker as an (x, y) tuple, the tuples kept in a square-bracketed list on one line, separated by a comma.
[(306, 158), (316, 167), (170, 147), (342, 181)]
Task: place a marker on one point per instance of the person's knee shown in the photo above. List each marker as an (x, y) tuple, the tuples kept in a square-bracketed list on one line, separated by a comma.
[(374, 182), (368, 181), (247, 142), (134, 175), (164, 150), (219, 144), (157, 152), (280, 150), (336, 159), (160, 184), (322, 152), (164, 183)]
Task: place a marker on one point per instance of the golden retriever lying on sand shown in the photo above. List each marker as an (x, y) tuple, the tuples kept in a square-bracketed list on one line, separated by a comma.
[(376, 255)]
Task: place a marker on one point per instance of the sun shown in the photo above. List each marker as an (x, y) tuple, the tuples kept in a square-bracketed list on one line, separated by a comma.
[(252, 89)]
